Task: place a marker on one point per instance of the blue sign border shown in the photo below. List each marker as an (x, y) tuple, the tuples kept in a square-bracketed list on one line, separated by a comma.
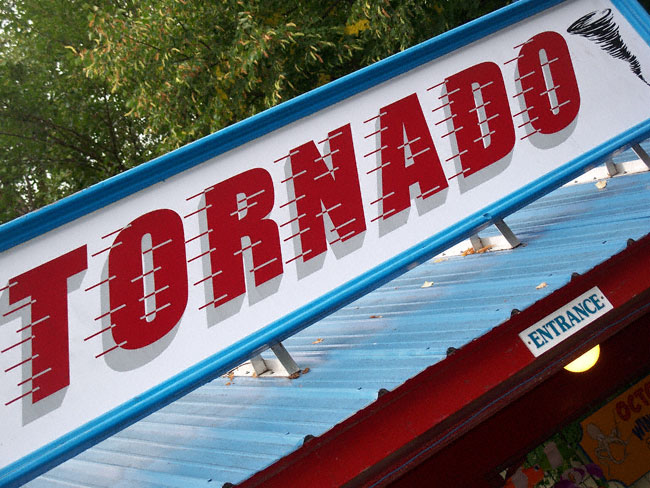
[(113, 189)]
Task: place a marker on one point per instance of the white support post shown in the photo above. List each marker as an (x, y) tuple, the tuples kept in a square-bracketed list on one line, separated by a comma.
[(643, 156), (611, 167), (259, 365), (506, 232), (285, 358), (476, 242)]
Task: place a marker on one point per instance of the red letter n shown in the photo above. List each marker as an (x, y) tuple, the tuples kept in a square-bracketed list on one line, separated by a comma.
[(323, 190)]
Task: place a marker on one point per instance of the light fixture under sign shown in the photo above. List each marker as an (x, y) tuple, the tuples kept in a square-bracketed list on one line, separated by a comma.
[(584, 362)]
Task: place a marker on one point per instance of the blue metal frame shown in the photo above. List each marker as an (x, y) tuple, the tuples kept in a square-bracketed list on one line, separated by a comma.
[(100, 195)]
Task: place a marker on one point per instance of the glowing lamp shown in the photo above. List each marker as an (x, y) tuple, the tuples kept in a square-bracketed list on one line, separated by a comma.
[(584, 362)]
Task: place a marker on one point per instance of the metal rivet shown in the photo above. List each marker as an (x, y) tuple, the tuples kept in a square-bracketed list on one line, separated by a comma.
[(307, 438)]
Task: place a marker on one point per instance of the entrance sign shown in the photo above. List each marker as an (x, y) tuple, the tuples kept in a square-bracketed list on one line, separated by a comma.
[(566, 321), (123, 297)]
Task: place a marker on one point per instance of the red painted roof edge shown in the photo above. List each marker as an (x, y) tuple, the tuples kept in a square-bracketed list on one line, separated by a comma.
[(449, 398)]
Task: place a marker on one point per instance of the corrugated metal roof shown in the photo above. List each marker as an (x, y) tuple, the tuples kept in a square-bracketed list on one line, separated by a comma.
[(231, 428)]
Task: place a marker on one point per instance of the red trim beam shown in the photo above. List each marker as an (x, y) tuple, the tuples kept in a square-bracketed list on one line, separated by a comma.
[(384, 440)]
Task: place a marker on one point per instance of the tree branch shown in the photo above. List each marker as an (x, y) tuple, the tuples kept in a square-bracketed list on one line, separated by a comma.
[(92, 157), (111, 130), (84, 139)]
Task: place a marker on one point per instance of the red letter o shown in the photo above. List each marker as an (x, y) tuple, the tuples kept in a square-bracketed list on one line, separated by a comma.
[(548, 82), (630, 403), (623, 410), (148, 279)]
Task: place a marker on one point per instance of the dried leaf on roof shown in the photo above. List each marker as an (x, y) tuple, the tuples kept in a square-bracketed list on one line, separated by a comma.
[(485, 249), (468, 251)]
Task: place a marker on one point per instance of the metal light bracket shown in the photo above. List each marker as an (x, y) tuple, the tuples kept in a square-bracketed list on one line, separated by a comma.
[(643, 156), (282, 365), (507, 239)]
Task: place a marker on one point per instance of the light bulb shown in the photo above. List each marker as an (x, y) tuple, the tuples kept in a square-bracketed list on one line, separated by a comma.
[(584, 362)]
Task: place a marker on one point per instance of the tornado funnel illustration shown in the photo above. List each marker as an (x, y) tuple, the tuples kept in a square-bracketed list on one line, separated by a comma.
[(599, 26)]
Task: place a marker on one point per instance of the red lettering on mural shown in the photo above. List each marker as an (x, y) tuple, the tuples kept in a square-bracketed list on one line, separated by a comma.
[(321, 190), (408, 156), (480, 113), (237, 209), (148, 293), (623, 410), (633, 406), (548, 83), (641, 396), (47, 288)]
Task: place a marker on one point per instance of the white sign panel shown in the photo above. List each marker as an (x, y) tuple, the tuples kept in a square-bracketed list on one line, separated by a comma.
[(135, 294), (566, 321)]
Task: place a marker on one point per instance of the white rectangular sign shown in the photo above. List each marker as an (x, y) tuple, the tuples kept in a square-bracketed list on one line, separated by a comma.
[(175, 282), (565, 321)]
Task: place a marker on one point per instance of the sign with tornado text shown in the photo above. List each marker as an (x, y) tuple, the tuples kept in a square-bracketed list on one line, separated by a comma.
[(97, 312)]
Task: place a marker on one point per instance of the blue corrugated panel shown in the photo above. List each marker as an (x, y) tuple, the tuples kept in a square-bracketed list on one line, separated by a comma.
[(228, 430)]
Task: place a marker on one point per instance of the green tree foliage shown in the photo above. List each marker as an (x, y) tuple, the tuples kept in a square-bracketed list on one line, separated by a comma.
[(91, 88), (193, 67), (60, 131)]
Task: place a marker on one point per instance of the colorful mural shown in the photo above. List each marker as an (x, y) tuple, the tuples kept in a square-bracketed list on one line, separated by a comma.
[(617, 436), (609, 448)]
